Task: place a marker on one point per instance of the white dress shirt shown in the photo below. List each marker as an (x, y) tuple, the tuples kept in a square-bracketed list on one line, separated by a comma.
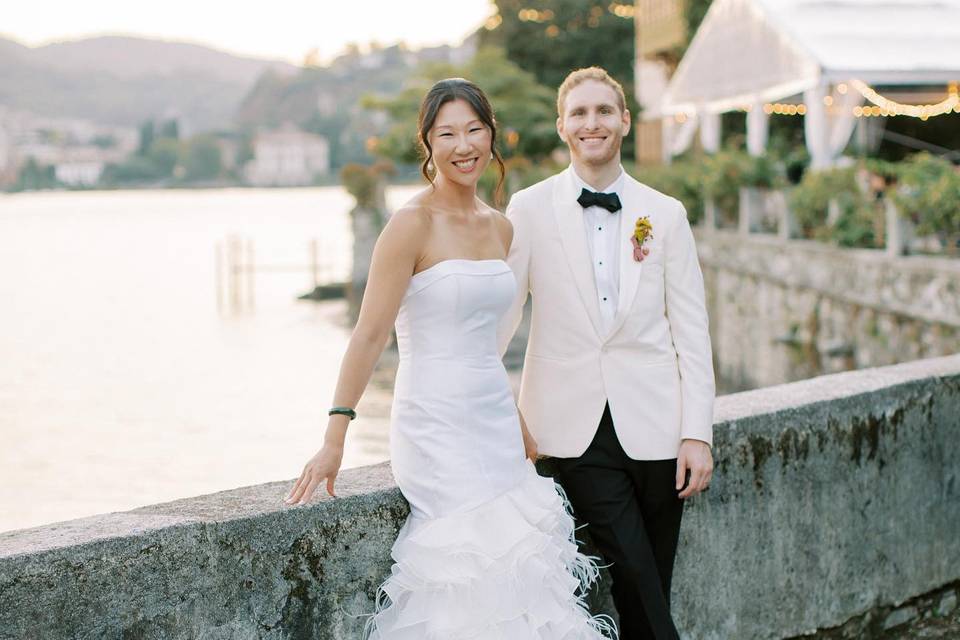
[(602, 229)]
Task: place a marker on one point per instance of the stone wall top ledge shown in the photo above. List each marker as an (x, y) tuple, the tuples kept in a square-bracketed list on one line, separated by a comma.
[(369, 488), (363, 488), (775, 243), (821, 389)]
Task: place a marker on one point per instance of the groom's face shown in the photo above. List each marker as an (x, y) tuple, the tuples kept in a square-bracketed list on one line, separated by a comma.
[(592, 123)]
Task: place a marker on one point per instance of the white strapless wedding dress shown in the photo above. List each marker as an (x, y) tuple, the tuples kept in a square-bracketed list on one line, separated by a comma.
[(488, 551)]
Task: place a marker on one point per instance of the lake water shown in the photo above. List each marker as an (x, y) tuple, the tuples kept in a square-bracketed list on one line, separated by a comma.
[(121, 381)]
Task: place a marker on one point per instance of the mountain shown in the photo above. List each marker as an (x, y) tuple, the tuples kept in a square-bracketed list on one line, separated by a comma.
[(123, 80), (330, 100)]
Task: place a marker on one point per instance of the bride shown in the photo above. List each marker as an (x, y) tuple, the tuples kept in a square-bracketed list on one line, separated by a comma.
[(488, 549)]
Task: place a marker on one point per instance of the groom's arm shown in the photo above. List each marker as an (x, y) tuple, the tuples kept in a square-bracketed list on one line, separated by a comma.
[(687, 315), (518, 258)]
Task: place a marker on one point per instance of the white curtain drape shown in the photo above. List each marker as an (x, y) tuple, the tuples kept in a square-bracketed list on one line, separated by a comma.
[(678, 136), (758, 130), (828, 128), (710, 132)]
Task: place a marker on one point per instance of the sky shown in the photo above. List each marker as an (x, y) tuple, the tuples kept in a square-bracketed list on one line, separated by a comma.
[(282, 29)]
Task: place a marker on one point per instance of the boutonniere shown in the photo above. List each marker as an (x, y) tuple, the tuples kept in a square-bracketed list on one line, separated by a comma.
[(642, 232)]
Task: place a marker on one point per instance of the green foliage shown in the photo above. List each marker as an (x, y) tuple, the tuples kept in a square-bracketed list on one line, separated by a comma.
[(810, 204), (795, 163), (551, 38), (201, 158), (681, 179), (860, 225), (760, 171), (169, 129), (164, 154), (134, 170), (364, 182), (33, 176), (521, 106), (930, 195), (522, 172), (724, 173), (147, 135)]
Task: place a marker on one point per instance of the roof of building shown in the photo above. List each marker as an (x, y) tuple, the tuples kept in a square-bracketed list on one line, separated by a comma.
[(749, 50)]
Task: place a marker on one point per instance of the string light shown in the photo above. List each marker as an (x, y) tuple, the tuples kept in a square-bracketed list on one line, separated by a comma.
[(879, 106), (922, 111)]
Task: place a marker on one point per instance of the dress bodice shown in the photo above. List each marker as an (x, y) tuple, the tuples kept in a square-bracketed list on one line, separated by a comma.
[(451, 310)]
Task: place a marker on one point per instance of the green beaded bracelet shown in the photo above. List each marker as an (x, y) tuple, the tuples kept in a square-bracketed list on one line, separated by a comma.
[(346, 411)]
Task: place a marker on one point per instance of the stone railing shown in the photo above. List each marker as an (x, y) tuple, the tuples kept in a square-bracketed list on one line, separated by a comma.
[(833, 497), (766, 211), (784, 310)]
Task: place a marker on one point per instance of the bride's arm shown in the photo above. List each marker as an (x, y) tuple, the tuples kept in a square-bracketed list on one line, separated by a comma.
[(508, 325), (394, 259)]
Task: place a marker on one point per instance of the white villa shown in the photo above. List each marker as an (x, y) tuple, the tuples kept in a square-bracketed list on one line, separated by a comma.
[(287, 157)]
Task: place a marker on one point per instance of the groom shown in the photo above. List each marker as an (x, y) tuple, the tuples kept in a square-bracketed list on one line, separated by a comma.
[(618, 381)]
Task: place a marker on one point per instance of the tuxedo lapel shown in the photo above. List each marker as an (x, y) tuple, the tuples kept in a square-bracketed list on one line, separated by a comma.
[(633, 207), (569, 217)]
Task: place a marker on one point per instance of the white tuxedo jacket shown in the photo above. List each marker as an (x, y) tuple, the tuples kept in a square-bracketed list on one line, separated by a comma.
[(654, 366)]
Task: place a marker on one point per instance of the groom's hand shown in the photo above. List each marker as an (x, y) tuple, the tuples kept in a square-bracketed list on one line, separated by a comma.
[(695, 458)]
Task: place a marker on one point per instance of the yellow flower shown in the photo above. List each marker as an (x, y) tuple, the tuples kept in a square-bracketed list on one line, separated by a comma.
[(643, 230)]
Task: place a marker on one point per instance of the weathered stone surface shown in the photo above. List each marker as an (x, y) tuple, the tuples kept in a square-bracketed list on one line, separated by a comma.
[(782, 311), (900, 617), (236, 564), (947, 604), (832, 497)]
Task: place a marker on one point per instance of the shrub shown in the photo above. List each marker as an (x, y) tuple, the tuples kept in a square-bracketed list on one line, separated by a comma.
[(810, 204), (929, 194), (682, 180), (722, 178)]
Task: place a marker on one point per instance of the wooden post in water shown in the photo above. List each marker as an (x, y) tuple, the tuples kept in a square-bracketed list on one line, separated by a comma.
[(315, 263), (233, 260), (250, 269), (218, 274)]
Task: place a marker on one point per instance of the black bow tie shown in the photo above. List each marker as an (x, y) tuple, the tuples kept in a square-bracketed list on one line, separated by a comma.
[(609, 201)]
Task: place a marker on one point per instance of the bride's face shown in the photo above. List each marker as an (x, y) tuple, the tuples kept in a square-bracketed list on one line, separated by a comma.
[(461, 143)]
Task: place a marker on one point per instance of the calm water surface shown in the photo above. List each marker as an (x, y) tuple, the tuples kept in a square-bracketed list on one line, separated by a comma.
[(122, 383)]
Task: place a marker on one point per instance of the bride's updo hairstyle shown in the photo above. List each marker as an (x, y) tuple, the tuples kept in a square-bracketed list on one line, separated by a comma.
[(447, 91)]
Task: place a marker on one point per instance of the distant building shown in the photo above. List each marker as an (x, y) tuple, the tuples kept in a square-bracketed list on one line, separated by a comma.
[(77, 171), (287, 157), (78, 150)]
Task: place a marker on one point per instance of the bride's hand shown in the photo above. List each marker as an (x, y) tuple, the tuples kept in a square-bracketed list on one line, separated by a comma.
[(529, 444), (323, 466)]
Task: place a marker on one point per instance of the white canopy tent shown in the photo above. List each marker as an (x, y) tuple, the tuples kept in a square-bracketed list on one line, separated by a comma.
[(750, 53)]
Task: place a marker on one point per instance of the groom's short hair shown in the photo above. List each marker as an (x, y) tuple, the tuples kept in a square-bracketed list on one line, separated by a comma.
[(589, 73)]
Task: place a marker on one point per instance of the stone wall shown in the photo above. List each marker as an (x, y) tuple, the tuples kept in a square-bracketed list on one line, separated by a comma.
[(833, 496), (786, 310)]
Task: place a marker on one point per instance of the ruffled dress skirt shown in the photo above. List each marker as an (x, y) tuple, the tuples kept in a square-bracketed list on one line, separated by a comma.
[(488, 550), (506, 570)]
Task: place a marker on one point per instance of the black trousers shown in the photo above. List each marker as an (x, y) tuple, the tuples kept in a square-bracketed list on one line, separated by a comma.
[(633, 515)]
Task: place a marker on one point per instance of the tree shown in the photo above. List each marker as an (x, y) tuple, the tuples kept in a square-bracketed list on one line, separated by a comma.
[(33, 176), (147, 135), (169, 129), (163, 154), (524, 109), (201, 158), (551, 38)]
